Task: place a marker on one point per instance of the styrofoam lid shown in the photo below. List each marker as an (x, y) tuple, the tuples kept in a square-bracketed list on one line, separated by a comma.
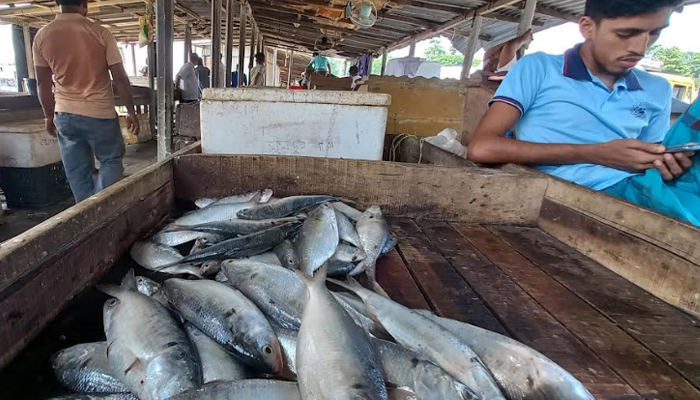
[(29, 126), (277, 95)]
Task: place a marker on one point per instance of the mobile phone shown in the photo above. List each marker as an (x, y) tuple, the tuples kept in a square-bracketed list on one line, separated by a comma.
[(685, 147)]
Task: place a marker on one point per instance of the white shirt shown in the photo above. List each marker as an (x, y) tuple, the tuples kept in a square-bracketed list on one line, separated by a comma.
[(257, 75), (189, 82), (354, 81)]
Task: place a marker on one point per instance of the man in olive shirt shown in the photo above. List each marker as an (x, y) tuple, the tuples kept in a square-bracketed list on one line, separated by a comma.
[(76, 56)]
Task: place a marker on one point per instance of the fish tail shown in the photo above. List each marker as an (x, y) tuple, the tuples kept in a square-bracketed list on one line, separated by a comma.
[(111, 290), (360, 268), (318, 279), (129, 280), (256, 199), (350, 284)]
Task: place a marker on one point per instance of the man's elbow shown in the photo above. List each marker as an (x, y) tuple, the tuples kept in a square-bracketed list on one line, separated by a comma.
[(480, 151)]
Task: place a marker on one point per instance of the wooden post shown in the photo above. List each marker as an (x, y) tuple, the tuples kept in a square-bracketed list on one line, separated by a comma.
[(28, 52), (412, 48), (253, 48), (472, 46), (526, 20), (153, 103), (230, 4), (241, 41), (164, 43), (384, 62), (188, 43), (275, 72), (133, 59), (290, 66), (215, 43)]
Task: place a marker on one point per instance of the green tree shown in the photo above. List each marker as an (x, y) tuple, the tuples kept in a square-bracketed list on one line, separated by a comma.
[(435, 51), (676, 61)]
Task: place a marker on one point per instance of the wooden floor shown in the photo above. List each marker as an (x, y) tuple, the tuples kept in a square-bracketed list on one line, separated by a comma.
[(617, 339)]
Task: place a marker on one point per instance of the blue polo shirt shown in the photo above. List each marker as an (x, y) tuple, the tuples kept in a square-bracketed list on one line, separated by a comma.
[(561, 101)]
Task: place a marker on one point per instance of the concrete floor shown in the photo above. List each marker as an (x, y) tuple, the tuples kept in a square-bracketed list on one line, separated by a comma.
[(14, 222)]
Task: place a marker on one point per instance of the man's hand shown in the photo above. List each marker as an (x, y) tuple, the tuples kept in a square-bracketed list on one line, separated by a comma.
[(673, 165), (50, 127), (132, 123), (627, 154)]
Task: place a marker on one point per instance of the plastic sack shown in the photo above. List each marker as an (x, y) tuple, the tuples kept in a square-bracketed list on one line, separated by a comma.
[(447, 140)]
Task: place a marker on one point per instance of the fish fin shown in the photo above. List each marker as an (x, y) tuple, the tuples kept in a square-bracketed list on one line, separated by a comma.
[(350, 284), (129, 280), (360, 268), (346, 201), (256, 199), (318, 279), (265, 196), (111, 290), (175, 228)]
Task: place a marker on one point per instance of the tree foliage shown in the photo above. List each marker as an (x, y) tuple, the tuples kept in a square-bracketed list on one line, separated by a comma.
[(676, 61)]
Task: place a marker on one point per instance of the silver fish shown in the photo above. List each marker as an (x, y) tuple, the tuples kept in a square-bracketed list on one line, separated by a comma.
[(288, 342), (217, 363), (346, 229), (263, 196), (348, 253), (199, 244), (334, 356), (522, 372), (283, 207), (268, 257), (374, 235), (152, 289), (234, 228), (340, 269), (84, 368), (248, 245), (317, 240), (147, 348), (213, 213), (430, 341), (391, 244), (210, 268), (249, 389), (227, 316), (97, 396), (349, 212), (401, 394), (221, 277), (287, 255), (176, 238), (277, 291), (204, 202), (157, 257)]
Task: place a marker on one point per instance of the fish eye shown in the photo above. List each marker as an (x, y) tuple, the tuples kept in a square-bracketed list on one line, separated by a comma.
[(139, 280), (267, 350), (112, 302)]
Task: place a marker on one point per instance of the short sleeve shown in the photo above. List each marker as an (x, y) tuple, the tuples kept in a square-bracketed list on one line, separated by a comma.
[(39, 59), (519, 88), (659, 123), (113, 55)]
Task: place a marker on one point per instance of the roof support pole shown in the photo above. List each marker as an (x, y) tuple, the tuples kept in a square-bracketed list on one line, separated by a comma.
[(164, 44), (275, 69), (472, 46), (188, 43), (290, 66), (133, 59), (526, 20), (253, 38), (412, 48), (28, 52), (216, 43), (241, 42), (230, 12), (153, 104), (384, 54)]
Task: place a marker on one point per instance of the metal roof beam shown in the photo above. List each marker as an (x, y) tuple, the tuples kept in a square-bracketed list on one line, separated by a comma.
[(551, 12)]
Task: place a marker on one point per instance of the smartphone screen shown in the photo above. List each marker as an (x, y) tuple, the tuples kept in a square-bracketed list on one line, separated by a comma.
[(685, 147)]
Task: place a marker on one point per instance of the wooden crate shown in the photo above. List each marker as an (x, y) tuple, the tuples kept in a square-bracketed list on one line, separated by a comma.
[(475, 244)]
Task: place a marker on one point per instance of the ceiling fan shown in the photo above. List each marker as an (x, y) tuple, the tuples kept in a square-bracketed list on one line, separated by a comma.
[(362, 13)]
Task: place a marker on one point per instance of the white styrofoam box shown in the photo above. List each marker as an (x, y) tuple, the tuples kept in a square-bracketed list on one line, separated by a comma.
[(289, 122), (27, 145)]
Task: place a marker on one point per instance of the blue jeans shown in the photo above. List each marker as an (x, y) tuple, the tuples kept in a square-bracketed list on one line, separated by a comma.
[(82, 139)]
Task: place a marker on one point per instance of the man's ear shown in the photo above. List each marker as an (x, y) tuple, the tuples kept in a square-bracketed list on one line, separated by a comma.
[(587, 26)]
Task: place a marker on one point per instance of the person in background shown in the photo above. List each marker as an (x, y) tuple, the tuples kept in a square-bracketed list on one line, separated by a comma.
[(203, 74), (354, 73), (257, 74), (77, 56), (591, 118), (187, 80), (234, 78), (503, 57), (320, 65)]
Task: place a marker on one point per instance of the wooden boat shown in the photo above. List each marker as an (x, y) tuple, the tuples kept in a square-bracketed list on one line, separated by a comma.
[(506, 249)]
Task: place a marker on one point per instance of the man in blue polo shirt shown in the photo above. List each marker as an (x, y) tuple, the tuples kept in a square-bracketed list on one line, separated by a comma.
[(587, 116)]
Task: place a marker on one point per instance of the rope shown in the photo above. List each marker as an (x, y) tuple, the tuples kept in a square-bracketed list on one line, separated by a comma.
[(397, 142)]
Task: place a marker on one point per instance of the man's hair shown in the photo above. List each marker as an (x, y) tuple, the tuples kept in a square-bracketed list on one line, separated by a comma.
[(354, 68), (316, 53), (260, 58), (70, 2), (604, 9)]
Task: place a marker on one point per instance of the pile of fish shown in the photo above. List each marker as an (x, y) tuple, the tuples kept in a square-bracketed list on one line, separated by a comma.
[(267, 327)]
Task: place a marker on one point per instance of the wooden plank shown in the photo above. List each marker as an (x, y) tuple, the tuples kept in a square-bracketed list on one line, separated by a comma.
[(29, 305), (393, 276), (49, 240), (445, 290), (666, 331), (666, 275), (523, 316), (460, 194), (411, 150), (668, 233)]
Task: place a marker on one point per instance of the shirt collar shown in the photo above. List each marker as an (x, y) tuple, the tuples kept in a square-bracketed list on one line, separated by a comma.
[(575, 68), (68, 16)]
